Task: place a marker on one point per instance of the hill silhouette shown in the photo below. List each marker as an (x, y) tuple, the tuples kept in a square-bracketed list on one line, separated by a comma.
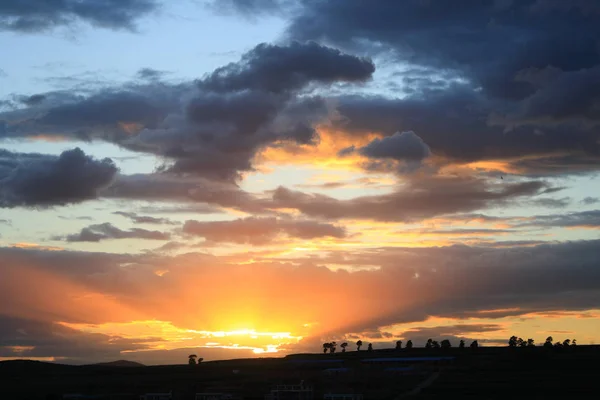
[(485, 372), (118, 363)]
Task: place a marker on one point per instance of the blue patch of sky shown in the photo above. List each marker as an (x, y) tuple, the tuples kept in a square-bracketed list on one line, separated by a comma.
[(187, 40)]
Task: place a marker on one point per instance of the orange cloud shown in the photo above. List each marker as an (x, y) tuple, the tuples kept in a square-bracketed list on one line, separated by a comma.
[(323, 156), (25, 245)]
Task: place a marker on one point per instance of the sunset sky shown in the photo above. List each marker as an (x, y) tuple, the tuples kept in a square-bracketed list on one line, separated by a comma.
[(251, 178)]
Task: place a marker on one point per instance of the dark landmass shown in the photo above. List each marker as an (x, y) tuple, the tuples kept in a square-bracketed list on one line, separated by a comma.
[(482, 373), (120, 363)]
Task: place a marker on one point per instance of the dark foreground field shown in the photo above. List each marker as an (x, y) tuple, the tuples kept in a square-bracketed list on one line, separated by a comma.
[(484, 373)]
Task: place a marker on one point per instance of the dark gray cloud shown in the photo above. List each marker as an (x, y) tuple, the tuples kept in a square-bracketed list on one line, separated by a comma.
[(569, 99), (33, 99), (488, 41), (213, 127), (422, 197), (277, 69), (590, 200), (486, 79), (106, 231), (584, 219), (112, 114), (36, 180), (252, 8), (250, 104), (405, 146), (454, 124), (40, 15), (150, 74), (260, 231), (144, 219)]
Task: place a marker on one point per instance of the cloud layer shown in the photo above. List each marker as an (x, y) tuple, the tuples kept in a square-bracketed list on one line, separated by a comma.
[(257, 231), (409, 286), (98, 232)]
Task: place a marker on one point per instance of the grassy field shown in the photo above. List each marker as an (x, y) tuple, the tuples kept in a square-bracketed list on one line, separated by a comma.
[(487, 373)]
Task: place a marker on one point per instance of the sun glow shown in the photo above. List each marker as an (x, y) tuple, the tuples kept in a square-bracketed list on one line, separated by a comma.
[(163, 335)]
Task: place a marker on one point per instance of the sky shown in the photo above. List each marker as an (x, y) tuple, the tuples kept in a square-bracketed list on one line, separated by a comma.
[(253, 178)]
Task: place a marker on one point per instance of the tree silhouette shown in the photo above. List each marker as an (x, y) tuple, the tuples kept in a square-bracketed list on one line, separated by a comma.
[(548, 342), (530, 342), (343, 346), (358, 345), (370, 347), (409, 344), (435, 344), (446, 344), (574, 342), (192, 359), (521, 342), (474, 344), (429, 344), (566, 343), (512, 342), (326, 346), (461, 345), (398, 344), (332, 347)]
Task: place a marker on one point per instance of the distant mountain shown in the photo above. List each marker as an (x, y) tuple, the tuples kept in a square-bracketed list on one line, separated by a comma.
[(119, 363)]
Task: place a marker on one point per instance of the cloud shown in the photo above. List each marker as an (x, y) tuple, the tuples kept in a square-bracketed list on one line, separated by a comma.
[(569, 98), (260, 231), (24, 338), (278, 69), (584, 219), (590, 200), (495, 41), (213, 127), (33, 99), (454, 124), (251, 8), (407, 285), (112, 114), (150, 74), (248, 105), (454, 333), (510, 80), (144, 219), (166, 187), (552, 202), (36, 180), (421, 197), (405, 146), (99, 232), (39, 15)]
